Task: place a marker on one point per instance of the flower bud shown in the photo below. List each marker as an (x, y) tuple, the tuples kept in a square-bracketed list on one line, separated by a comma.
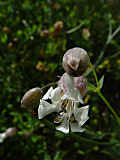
[(5, 29), (44, 33), (31, 98), (10, 132), (75, 61), (58, 26), (81, 84)]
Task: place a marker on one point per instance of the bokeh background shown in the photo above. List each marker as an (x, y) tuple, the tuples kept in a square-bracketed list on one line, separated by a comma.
[(34, 35)]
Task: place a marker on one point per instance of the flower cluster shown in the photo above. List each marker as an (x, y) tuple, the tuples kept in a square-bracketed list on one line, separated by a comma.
[(68, 95)]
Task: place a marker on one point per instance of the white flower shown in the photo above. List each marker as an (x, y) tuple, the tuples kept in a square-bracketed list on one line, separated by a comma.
[(46, 108), (65, 100)]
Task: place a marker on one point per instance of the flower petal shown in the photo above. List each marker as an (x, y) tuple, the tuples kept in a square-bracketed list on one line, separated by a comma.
[(66, 82), (75, 127), (64, 127), (81, 114), (45, 108), (56, 95), (70, 92), (2, 137), (74, 95), (48, 94)]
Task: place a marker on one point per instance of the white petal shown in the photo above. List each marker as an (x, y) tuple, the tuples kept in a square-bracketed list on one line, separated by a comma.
[(81, 114), (56, 95), (74, 95), (75, 127), (64, 127), (69, 81), (79, 97), (2, 137), (45, 108), (66, 82), (48, 94)]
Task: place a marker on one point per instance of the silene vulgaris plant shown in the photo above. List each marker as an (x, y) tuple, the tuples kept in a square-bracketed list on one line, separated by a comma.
[(67, 97)]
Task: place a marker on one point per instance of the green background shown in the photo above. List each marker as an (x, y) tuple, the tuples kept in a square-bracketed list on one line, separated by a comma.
[(29, 59)]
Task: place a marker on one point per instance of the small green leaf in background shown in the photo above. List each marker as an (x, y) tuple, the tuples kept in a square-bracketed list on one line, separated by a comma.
[(57, 156), (47, 157)]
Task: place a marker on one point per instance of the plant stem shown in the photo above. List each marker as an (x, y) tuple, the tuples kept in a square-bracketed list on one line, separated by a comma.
[(94, 142), (109, 106), (94, 73), (49, 84), (102, 97)]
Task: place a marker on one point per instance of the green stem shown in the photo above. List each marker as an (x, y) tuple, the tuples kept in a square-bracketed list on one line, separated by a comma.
[(94, 73), (49, 84), (102, 97), (80, 138), (109, 106)]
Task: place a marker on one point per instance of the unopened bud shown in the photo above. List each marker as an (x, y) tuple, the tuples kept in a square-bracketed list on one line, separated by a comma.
[(81, 84), (10, 45), (44, 33), (58, 26), (10, 132), (5, 29), (75, 61), (31, 98)]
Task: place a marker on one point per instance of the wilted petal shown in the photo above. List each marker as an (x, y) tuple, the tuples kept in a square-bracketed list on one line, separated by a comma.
[(64, 127), (78, 96), (66, 83), (75, 127), (81, 114), (55, 95), (45, 108), (81, 84), (48, 94), (70, 92), (2, 137)]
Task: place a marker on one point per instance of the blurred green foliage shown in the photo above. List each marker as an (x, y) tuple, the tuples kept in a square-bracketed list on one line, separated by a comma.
[(32, 44)]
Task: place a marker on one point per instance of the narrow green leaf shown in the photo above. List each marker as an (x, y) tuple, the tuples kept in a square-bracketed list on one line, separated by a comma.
[(91, 87), (101, 82)]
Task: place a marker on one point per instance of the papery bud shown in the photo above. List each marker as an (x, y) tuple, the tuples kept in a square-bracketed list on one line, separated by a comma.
[(31, 98), (81, 84), (10, 132), (10, 45), (86, 33), (75, 61), (44, 33), (5, 29), (58, 26)]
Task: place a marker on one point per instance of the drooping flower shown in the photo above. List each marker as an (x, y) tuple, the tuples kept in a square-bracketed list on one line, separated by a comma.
[(65, 100)]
